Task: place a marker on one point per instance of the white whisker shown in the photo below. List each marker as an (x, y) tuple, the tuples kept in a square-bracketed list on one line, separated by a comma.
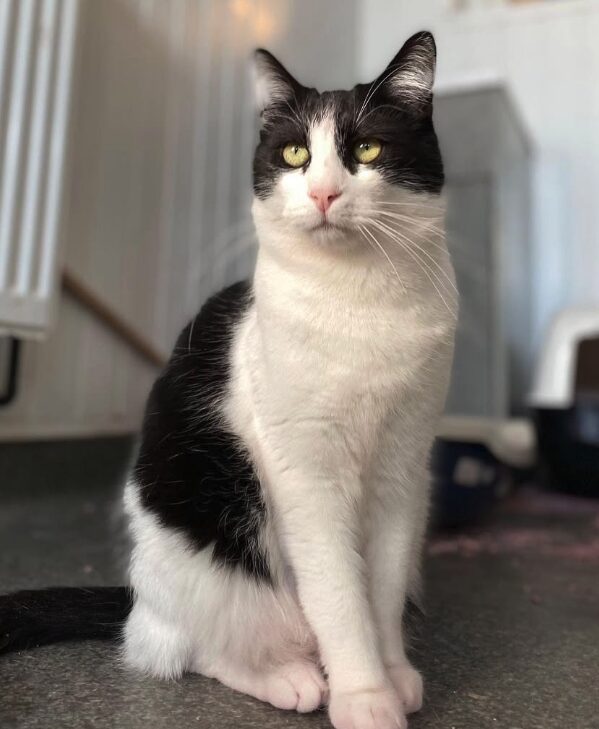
[(409, 204), (361, 120), (412, 221), (372, 91), (423, 265), (424, 252), (365, 232)]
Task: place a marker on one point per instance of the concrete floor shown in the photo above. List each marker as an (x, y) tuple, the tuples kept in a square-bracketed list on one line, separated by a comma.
[(510, 640)]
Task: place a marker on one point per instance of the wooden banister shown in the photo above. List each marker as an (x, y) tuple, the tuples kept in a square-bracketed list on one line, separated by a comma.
[(105, 313)]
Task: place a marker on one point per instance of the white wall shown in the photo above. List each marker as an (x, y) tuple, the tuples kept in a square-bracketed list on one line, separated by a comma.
[(548, 56), (159, 185)]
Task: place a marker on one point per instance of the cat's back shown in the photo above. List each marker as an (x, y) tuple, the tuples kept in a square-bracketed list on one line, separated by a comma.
[(192, 470)]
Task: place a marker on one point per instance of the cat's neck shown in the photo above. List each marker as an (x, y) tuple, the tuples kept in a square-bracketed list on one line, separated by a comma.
[(353, 271), (305, 272)]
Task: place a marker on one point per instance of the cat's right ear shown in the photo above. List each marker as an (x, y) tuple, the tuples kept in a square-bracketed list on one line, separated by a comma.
[(272, 82)]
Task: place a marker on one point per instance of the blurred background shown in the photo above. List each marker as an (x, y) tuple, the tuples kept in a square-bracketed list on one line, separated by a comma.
[(126, 136)]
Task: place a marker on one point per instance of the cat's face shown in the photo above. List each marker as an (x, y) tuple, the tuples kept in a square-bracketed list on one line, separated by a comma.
[(328, 163)]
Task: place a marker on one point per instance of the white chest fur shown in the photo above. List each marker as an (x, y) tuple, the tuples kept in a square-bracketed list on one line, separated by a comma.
[(334, 345)]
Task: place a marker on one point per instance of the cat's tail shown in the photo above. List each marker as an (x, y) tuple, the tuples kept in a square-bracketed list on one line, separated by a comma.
[(37, 617)]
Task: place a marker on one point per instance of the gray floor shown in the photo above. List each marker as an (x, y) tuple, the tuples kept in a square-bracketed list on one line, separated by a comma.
[(510, 640)]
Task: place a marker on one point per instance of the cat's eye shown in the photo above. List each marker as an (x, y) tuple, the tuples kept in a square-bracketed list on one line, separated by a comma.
[(296, 155), (367, 150)]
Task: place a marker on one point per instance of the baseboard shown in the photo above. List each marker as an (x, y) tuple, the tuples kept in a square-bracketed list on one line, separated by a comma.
[(16, 432)]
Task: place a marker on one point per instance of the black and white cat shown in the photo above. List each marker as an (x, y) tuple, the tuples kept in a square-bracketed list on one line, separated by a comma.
[(279, 499)]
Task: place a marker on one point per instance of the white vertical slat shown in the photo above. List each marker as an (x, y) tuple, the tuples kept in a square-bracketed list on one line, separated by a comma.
[(14, 133), (228, 104), (6, 15), (246, 246), (180, 230), (199, 179), (175, 33), (36, 162), (58, 138)]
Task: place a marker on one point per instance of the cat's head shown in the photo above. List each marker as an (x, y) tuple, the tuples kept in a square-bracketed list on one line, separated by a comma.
[(328, 163)]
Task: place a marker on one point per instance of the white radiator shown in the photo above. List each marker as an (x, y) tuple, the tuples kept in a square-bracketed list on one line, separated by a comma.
[(36, 61)]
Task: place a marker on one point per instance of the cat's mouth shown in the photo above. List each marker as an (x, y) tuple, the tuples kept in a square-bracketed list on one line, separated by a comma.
[(326, 226)]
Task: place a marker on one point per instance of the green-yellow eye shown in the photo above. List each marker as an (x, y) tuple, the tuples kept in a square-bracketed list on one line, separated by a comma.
[(367, 150), (296, 155)]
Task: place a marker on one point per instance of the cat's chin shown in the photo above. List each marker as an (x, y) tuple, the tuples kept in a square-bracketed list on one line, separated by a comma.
[(331, 234)]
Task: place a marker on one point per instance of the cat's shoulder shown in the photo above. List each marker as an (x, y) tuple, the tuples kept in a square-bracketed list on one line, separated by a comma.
[(213, 323), (199, 363)]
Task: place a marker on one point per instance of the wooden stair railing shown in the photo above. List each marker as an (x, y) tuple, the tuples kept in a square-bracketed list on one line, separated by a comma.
[(105, 313)]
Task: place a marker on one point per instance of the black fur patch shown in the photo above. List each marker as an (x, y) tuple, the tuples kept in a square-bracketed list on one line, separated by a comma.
[(192, 471), (410, 156)]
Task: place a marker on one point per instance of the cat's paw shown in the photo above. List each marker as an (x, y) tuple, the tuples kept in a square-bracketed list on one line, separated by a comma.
[(408, 684), (296, 686), (376, 709)]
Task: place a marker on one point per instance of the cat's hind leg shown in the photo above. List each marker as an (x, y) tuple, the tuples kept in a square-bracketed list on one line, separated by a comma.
[(297, 685), (153, 645), (192, 613), (261, 644)]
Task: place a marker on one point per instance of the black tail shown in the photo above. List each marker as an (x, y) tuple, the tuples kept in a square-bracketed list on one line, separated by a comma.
[(36, 617)]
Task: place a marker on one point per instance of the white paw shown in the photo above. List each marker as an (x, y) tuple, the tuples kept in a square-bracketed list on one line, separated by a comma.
[(408, 684), (378, 709), (297, 686)]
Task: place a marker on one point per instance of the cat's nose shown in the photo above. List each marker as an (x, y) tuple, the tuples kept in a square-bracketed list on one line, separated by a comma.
[(324, 197)]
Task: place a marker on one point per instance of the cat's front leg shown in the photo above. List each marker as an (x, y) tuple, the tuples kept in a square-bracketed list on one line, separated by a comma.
[(318, 524), (397, 522)]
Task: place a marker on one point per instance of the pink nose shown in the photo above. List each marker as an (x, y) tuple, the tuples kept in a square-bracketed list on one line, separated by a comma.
[(324, 197)]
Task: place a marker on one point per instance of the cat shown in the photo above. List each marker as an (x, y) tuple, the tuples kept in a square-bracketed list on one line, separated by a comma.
[(279, 498)]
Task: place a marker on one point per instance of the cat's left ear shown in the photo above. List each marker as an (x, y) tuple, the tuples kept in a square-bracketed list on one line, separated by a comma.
[(411, 74), (272, 82)]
